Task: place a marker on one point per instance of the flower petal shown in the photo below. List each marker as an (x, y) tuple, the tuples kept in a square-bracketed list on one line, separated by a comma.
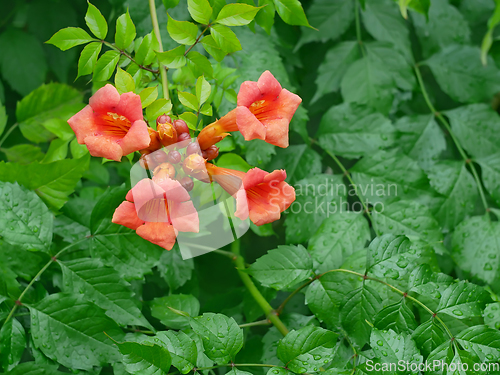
[(83, 124), (249, 93), (105, 99), (161, 234), (130, 106), (173, 189), (269, 86), (250, 127), (254, 177), (241, 205), (102, 146), (137, 138), (126, 215), (149, 201), (184, 216)]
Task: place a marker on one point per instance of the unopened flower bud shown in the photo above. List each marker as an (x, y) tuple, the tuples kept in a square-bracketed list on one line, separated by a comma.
[(163, 119), (154, 143), (181, 126), (187, 183), (210, 153), (174, 157), (183, 137), (152, 160), (193, 148), (194, 165), (163, 171), (167, 133)]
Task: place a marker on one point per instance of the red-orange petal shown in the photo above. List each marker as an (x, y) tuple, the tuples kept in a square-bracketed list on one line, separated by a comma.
[(101, 146), (250, 127), (184, 216), (105, 99), (126, 215), (161, 234), (136, 139)]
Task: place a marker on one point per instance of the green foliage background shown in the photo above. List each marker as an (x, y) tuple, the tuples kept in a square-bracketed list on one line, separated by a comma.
[(396, 95)]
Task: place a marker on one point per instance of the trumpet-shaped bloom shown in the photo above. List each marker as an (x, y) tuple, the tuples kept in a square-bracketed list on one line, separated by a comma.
[(260, 195), (157, 210), (111, 125), (265, 110)]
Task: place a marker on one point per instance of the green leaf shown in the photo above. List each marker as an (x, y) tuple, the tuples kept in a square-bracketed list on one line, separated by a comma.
[(475, 248), (3, 118), (213, 48), (259, 152), (352, 131), (106, 65), (340, 235), (88, 58), (421, 139), (237, 14), (183, 32), (148, 96), (460, 74), (25, 220), (291, 12), (456, 184), (23, 154), (318, 197), (23, 61), (331, 18), (125, 251), (391, 347), (188, 100), (104, 287), (492, 315), (397, 317), (96, 22), (324, 297), (80, 328), (360, 304), (182, 349), (199, 64), (307, 349), (146, 52), (125, 31), (387, 175), (490, 168), (35, 368), (203, 90), (12, 344), (174, 58), (429, 336), (482, 341), (174, 269), (463, 300), (124, 82), (300, 161), (443, 26), (54, 100), (221, 336), (145, 358), (383, 21), (265, 18), (476, 126), (160, 309), (70, 37), (408, 218), (58, 150), (225, 38), (283, 267), (53, 182), (488, 37), (158, 108), (333, 67), (200, 11), (233, 161)]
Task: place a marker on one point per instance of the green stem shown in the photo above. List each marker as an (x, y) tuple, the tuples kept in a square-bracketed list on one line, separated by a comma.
[(445, 123), (259, 298), (197, 40), (264, 322), (156, 28), (124, 53), (52, 260), (358, 27), (349, 178), (6, 135), (291, 295)]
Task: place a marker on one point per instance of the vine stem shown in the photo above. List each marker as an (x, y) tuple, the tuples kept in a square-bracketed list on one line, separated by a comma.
[(124, 53), (445, 123), (264, 322), (270, 313), (44, 268), (197, 40), (349, 178), (156, 28), (11, 129), (358, 27)]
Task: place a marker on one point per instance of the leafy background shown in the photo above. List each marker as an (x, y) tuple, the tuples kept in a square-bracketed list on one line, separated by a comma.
[(395, 94)]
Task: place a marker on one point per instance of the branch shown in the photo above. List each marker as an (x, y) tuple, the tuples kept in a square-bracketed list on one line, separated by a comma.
[(156, 28)]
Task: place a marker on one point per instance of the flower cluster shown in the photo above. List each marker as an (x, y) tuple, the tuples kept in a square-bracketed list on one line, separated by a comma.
[(157, 209)]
